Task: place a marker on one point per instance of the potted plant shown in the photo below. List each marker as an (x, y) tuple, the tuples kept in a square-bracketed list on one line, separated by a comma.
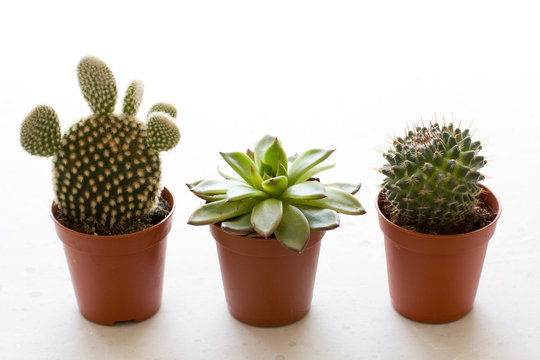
[(268, 216), (437, 221), (108, 210)]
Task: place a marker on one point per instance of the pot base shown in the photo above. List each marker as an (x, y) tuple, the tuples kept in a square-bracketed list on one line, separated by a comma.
[(268, 323), (265, 284), (107, 321), (433, 318)]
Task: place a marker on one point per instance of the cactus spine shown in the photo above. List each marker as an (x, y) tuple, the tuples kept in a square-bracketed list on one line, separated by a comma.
[(431, 177), (106, 166)]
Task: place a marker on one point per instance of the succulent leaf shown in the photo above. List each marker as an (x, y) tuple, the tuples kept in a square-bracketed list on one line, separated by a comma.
[(293, 230), (239, 192), (193, 184), (266, 216), (238, 226), (221, 210), (292, 158), (337, 200), (210, 190), (275, 186), (211, 187), (261, 146), (98, 85), (241, 164), (40, 132), (306, 161), (256, 179), (250, 154), (315, 170), (306, 190), (163, 134), (133, 97), (275, 155), (350, 188), (211, 198), (282, 171), (320, 219), (228, 173), (265, 169)]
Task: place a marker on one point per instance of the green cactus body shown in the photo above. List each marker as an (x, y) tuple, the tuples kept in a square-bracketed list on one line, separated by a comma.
[(105, 171), (431, 177), (106, 166)]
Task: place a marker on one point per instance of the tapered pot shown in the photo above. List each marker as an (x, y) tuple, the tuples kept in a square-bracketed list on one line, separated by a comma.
[(434, 278), (266, 284), (117, 278)]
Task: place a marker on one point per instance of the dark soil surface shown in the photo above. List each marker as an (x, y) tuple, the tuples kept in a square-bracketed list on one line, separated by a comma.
[(481, 216), (155, 216)]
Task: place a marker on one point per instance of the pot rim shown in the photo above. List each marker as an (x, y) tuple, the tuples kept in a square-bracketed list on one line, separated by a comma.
[(261, 245), (442, 237), (54, 208)]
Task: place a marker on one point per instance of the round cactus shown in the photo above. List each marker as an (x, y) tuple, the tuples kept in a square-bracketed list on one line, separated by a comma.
[(106, 166), (431, 177)]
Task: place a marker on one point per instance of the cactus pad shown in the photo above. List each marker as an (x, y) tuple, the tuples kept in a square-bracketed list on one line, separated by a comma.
[(106, 170), (133, 98), (163, 134), (163, 107), (40, 132), (97, 85)]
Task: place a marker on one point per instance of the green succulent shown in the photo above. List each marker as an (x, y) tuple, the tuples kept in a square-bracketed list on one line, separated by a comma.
[(106, 166), (431, 177), (265, 193)]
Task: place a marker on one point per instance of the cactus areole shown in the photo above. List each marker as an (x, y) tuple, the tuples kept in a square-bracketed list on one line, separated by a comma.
[(431, 180), (106, 166)]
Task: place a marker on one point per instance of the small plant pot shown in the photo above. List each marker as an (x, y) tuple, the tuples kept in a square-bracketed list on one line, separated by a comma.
[(265, 283), (117, 278), (434, 278)]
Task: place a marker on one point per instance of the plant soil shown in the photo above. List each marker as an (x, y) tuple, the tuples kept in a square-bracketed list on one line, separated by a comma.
[(155, 216), (481, 216)]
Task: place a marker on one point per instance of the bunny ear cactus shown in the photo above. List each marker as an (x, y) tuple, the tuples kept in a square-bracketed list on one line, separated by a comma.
[(431, 177), (265, 193), (106, 166)]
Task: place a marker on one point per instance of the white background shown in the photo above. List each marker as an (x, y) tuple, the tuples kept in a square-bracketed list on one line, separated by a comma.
[(332, 74)]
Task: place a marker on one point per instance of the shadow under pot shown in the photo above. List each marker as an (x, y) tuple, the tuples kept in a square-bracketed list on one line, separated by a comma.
[(117, 278), (434, 278), (265, 283)]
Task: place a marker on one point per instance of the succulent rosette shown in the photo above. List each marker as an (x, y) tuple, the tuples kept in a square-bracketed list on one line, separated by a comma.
[(265, 193)]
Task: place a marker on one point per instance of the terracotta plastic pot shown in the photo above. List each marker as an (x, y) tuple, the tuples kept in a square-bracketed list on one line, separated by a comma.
[(117, 278), (434, 278), (265, 283)]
